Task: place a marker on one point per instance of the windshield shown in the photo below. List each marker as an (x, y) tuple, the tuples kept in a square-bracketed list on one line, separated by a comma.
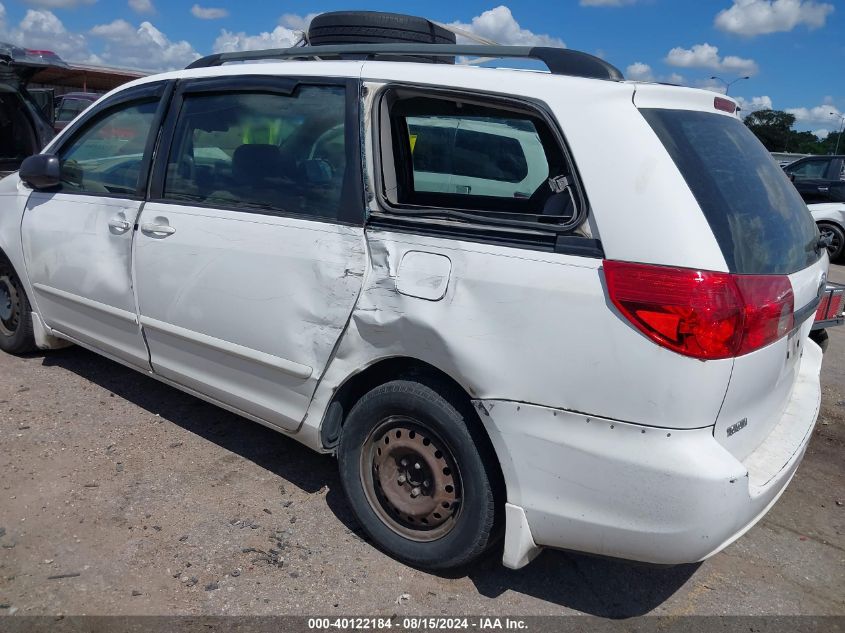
[(756, 214)]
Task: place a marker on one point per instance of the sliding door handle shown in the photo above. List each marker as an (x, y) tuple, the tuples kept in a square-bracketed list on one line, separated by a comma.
[(157, 230)]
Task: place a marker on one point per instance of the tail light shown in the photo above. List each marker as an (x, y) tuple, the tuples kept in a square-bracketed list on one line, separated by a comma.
[(703, 314), (831, 306)]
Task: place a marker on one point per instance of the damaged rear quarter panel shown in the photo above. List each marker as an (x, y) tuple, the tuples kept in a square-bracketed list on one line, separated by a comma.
[(521, 325)]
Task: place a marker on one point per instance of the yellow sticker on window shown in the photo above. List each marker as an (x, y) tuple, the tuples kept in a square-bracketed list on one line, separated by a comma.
[(413, 138)]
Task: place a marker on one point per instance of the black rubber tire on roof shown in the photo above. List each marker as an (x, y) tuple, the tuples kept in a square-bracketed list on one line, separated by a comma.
[(375, 27)]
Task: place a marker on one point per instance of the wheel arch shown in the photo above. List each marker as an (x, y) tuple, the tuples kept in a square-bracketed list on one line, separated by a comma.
[(408, 368)]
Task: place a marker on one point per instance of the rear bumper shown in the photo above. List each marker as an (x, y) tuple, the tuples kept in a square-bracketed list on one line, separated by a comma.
[(641, 493)]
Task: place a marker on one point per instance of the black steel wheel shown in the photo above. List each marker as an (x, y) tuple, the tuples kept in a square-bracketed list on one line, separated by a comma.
[(15, 318), (836, 235), (419, 475)]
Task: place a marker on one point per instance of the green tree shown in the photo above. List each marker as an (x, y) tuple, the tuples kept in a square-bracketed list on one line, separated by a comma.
[(773, 128)]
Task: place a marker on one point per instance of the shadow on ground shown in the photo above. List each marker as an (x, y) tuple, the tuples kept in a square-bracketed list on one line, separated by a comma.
[(597, 586)]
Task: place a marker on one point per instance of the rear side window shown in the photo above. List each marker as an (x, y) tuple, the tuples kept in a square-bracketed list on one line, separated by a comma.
[(474, 162), (756, 214), (264, 153)]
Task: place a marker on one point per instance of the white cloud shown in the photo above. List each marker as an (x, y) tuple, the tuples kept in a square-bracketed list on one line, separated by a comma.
[(760, 17), (41, 29), (59, 4), (707, 56), (606, 3), (208, 13), (144, 47), (818, 115), (297, 22), (288, 33), (500, 26), (142, 6), (754, 104), (822, 134), (639, 72)]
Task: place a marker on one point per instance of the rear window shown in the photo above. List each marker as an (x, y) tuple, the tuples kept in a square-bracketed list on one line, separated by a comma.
[(758, 218)]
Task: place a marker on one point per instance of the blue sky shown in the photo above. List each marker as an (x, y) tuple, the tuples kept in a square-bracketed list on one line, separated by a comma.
[(793, 49)]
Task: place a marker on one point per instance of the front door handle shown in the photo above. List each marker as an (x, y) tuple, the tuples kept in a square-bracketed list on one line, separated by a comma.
[(157, 230), (119, 224)]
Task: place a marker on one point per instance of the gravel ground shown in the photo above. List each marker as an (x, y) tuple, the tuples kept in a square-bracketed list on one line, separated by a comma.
[(119, 495)]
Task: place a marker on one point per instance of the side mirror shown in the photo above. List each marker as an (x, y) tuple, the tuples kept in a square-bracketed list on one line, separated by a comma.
[(41, 171)]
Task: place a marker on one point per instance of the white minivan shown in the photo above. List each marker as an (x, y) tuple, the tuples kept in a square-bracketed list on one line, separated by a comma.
[(560, 308)]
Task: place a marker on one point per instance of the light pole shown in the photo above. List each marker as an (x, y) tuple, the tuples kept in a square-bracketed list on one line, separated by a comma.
[(728, 84), (841, 127)]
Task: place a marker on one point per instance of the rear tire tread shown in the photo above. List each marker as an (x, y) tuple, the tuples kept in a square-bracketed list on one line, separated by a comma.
[(448, 404)]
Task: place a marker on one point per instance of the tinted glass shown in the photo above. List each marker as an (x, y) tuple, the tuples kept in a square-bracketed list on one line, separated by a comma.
[(809, 169), (757, 216), (481, 156), (70, 108), (264, 153), (107, 157)]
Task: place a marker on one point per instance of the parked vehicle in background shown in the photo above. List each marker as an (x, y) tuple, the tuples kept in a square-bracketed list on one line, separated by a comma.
[(24, 127), (830, 218), (819, 178), (71, 105), (399, 263)]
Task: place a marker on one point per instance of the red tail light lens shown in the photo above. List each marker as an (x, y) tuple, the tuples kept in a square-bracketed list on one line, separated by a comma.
[(836, 305), (703, 314)]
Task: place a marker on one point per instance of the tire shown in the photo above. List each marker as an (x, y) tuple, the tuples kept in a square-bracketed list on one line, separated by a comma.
[(421, 441), (837, 247), (374, 27), (15, 313), (820, 338)]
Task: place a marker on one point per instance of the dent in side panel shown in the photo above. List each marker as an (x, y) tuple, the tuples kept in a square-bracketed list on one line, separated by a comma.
[(522, 325)]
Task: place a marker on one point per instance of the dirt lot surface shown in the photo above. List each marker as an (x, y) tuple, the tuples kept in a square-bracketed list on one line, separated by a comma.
[(119, 495)]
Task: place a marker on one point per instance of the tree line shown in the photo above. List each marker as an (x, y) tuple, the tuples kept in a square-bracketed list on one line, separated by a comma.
[(774, 129)]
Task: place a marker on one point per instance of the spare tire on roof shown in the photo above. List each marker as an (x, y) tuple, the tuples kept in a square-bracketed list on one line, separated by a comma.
[(375, 27)]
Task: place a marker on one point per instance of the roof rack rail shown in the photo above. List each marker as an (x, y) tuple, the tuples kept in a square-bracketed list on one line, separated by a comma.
[(560, 61)]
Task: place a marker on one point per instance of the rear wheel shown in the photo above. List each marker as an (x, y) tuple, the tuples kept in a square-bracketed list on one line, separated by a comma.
[(411, 465), (837, 239), (15, 313)]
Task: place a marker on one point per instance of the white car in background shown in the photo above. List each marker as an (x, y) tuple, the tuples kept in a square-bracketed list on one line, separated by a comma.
[(587, 329), (830, 218)]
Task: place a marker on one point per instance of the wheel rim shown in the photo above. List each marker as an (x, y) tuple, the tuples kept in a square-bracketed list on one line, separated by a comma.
[(411, 479), (9, 306), (835, 240)]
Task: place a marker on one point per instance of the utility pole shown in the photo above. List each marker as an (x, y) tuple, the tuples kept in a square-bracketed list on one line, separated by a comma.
[(728, 84), (841, 127)]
